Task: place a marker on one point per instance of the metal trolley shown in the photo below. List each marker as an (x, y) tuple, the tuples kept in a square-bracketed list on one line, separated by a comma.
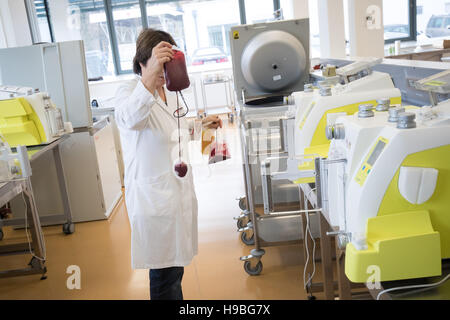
[(18, 184), (316, 225), (262, 137), (270, 61)]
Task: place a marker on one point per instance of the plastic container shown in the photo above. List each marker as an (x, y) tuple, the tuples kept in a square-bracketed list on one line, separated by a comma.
[(219, 150)]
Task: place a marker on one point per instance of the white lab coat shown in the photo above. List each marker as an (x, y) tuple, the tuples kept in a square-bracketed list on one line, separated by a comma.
[(162, 209)]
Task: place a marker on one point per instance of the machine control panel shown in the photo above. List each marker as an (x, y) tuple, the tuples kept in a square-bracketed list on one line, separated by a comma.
[(370, 160)]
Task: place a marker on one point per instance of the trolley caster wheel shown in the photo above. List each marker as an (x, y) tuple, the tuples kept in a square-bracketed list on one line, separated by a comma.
[(68, 228), (242, 204), (247, 240), (34, 263), (240, 224), (312, 298), (1, 235), (253, 271), (44, 277)]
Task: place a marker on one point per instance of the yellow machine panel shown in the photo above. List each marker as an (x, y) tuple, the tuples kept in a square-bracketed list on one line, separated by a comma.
[(408, 237), (438, 205), (19, 124), (319, 136), (416, 234)]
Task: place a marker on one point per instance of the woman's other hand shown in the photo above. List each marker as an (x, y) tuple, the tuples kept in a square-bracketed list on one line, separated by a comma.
[(212, 122), (153, 70)]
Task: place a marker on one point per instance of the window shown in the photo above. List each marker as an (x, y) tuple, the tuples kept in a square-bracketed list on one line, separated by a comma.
[(419, 10), (84, 20), (314, 28), (434, 21), (127, 25), (398, 21), (200, 28), (109, 28), (257, 11), (218, 37), (42, 19)]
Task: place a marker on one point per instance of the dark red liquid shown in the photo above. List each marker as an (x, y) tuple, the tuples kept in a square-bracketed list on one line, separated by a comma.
[(181, 169), (219, 152), (175, 72)]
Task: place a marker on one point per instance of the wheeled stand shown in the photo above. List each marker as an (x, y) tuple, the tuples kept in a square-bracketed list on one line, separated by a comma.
[(259, 129), (35, 245)]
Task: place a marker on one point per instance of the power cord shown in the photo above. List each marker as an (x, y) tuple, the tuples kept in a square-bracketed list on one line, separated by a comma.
[(437, 284), (26, 232), (308, 231)]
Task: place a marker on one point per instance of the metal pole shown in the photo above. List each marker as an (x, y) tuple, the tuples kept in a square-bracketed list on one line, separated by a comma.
[(276, 5), (242, 11), (112, 37), (143, 14)]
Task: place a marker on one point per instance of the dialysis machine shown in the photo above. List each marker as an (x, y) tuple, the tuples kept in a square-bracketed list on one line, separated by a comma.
[(385, 188), (306, 136), (358, 85), (270, 61)]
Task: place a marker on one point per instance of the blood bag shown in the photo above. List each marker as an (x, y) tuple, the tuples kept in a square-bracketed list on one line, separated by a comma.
[(218, 150), (175, 71), (180, 168)]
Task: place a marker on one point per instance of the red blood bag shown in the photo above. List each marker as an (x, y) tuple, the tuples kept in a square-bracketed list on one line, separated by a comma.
[(180, 168), (219, 151), (175, 71)]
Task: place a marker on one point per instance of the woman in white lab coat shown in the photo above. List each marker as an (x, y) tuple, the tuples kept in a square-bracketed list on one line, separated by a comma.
[(162, 208)]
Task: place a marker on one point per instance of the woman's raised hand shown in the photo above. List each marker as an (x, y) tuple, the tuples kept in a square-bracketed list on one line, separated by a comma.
[(154, 68), (212, 122)]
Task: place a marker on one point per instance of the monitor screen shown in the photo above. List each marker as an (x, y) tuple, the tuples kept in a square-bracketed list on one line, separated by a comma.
[(376, 152)]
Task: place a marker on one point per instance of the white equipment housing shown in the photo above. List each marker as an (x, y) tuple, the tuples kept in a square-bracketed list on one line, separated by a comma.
[(374, 86)]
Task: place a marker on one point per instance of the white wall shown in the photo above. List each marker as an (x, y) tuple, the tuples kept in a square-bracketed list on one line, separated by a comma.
[(295, 9), (365, 42), (3, 42), (332, 28), (8, 37), (14, 24)]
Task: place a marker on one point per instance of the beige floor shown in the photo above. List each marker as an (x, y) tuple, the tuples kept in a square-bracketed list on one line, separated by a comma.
[(102, 251)]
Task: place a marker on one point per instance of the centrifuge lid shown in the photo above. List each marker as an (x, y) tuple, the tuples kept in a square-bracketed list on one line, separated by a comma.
[(270, 58)]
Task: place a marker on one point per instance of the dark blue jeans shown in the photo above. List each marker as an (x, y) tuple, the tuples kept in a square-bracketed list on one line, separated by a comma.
[(165, 284)]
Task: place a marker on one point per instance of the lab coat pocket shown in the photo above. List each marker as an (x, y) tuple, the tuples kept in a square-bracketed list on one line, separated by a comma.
[(154, 196)]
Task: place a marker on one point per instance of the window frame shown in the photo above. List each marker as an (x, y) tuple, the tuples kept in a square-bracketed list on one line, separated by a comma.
[(412, 24), (111, 27)]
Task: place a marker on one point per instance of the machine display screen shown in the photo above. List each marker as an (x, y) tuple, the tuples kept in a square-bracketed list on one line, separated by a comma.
[(376, 152)]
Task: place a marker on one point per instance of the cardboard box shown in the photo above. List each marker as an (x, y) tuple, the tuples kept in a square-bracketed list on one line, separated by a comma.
[(446, 44)]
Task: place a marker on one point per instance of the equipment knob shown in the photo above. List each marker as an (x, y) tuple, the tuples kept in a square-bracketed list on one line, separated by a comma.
[(329, 132), (308, 87), (383, 104), (366, 111), (393, 113), (406, 120), (336, 131), (325, 91)]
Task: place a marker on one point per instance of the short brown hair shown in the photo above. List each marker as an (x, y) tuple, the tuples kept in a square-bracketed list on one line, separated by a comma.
[(146, 41)]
